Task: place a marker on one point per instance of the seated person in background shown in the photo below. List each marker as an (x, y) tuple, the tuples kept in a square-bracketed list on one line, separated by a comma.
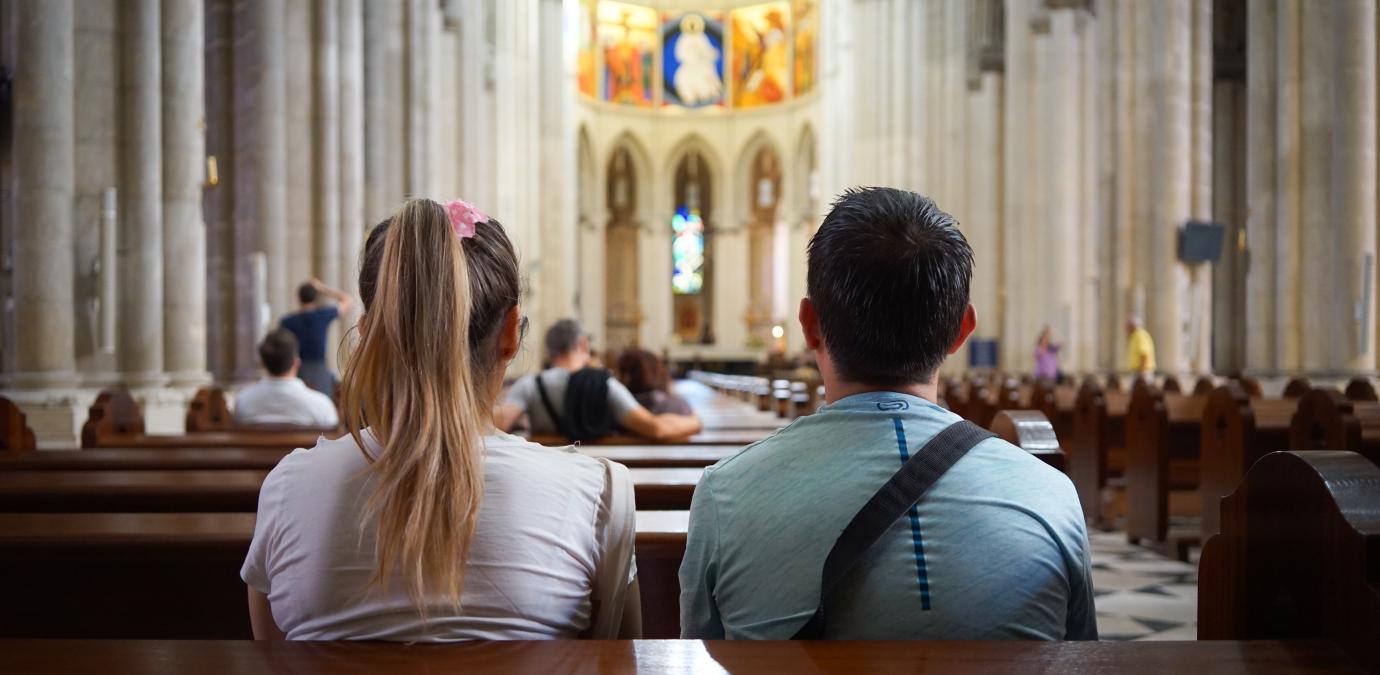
[(583, 403), (423, 523), (310, 323), (647, 378), (282, 398), (997, 548)]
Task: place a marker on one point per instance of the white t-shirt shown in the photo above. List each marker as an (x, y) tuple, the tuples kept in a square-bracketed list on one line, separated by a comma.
[(538, 549), (287, 402)]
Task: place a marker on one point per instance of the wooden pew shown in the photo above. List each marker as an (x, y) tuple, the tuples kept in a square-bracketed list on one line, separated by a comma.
[(15, 434), (209, 411), (263, 459), (1204, 385), (1031, 431), (229, 491), (1252, 387), (1298, 555), (1163, 432), (1296, 387), (1237, 431), (1360, 389), (176, 575), (1325, 419), (115, 421), (621, 657), (1170, 385), (1057, 402), (1098, 452)]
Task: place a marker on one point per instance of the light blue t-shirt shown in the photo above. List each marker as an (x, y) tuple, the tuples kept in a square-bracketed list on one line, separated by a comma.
[(997, 549)]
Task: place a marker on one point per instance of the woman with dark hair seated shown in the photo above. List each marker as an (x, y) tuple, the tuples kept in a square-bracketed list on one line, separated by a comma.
[(650, 382)]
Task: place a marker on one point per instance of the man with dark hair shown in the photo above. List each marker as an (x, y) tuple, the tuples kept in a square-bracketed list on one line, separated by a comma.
[(310, 323), (981, 541), (582, 403), (282, 398)]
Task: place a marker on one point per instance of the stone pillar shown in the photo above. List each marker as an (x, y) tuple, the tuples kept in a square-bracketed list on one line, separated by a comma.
[(1324, 315), (326, 186), (141, 197), (260, 214), (1288, 181), (184, 232), (383, 106), (1018, 132), (1353, 184), (1169, 142), (418, 29), (1058, 172), (1199, 347), (1262, 325), (353, 223), (43, 189)]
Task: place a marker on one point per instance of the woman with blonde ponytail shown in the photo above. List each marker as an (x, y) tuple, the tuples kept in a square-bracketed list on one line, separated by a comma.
[(424, 523)]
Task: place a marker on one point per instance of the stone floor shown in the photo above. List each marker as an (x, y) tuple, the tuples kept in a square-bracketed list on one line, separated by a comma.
[(1142, 595)]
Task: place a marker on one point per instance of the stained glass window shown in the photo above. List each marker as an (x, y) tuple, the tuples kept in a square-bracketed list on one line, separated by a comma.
[(687, 252)]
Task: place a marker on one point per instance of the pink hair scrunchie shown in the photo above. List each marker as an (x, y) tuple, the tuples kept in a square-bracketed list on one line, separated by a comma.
[(463, 217)]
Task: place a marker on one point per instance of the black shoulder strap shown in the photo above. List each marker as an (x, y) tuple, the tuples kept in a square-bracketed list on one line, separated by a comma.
[(550, 409), (915, 478)]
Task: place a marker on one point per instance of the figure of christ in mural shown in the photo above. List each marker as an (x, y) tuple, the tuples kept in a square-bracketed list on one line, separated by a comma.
[(697, 79)]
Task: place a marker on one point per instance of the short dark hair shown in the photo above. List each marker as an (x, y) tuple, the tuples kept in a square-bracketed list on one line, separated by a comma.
[(642, 371), (888, 276), (277, 351), (306, 293), (563, 337)]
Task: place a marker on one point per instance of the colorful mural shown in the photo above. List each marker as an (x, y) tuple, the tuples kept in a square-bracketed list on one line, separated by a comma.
[(760, 50), (692, 59), (585, 66), (628, 38), (806, 38)]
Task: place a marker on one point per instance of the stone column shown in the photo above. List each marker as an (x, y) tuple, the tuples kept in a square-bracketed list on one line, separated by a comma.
[(1169, 32), (353, 223), (260, 214), (1018, 132), (326, 192), (141, 196), (1353, 181), (184, 232), (1325, 317), (43, 168), (418, 29), (1261, 318), (1288, 182), (1058, 172), (383, 108)]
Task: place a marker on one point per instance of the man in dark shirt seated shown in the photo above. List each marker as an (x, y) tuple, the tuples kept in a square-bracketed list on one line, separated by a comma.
[(310, 324)]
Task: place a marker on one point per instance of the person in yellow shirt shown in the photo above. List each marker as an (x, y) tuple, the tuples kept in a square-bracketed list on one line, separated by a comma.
[(1140, 348)]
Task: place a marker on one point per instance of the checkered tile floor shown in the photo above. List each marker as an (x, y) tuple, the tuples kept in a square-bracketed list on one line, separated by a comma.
[(1142, 595)]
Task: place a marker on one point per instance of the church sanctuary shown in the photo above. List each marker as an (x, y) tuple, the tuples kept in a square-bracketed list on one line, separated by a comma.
[(689, 336)]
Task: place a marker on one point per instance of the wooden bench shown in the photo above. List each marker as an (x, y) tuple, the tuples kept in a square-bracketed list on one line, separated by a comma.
[(1057, 402), (115, 421), (15, 434), (228, 491), (1325, 419), (1237, 431), (1029, 430), (176, 575), (1098, 453), (209, 411), (1298, 556), (618, 657), (734, 437), (1163, 433), (1360, 389)]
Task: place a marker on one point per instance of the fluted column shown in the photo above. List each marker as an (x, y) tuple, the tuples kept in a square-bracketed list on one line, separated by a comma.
[(1169, 167), (141, 196), (326, 192), (1321, 259), (418, 29), (43, 169), (383, 109), (1353, 181), (1288, 182), (1059, 178), (184, 232), (1262, 325), (1018, 132), (353, 223)]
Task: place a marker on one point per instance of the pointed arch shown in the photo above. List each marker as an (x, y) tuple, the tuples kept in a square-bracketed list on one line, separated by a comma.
[(805, 185)]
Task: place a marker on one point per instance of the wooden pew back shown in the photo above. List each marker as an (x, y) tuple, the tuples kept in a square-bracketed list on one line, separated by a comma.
[(1163, 432), (113, 414), (1237, 431), (1325, 419), (1298, 556), (1099, 440), (209, 411), (15, 434), (1031, 431)]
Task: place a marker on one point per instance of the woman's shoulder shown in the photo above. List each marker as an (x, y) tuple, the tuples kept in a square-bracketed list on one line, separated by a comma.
[(561, 464)]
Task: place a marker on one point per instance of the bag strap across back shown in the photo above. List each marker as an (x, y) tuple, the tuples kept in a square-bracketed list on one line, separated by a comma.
[(893, 500)]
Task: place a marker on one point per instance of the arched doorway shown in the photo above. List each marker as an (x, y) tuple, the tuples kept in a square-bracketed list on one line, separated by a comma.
[(691, 250)]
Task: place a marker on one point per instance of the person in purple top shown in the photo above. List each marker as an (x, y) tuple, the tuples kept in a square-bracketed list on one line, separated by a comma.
[(1047, 356), (309, 324)]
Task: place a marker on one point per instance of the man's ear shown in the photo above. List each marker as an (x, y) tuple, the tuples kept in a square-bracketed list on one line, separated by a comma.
[(965, 328), (809, 324), (510, 335)]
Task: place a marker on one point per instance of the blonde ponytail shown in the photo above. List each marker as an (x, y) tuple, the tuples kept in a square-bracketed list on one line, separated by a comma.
[(416, 382)]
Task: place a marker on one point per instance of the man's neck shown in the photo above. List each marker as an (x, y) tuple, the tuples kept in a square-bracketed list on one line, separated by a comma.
[(287, 377), (840, 389), (570, 362)]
